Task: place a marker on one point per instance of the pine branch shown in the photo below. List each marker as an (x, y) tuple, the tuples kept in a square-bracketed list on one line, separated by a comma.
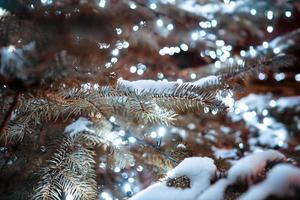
[(69, 171)]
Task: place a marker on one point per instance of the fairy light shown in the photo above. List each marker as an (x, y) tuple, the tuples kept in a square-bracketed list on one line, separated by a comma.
[(106, 196), (131, 140), (112, 119), (270, 29), (243, 53), (114, 60), (159, 22), (170, 27), (193, 75), (184, 47), (102, 3), (153, 6), (279, 76), (132, 5), (297, 77), (276, 50), (194, 35), (253, 12), (119, 31), (140, 168), (265, 112), (115, 52), (272, 103), (117, 169), (265, 45), (161, 131), (133, 69), (288, 14), (270, 15), (135, 28), (261, 76), (11, 48)]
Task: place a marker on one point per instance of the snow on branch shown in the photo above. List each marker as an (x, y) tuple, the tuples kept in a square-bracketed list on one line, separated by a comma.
[(200, 171), (246, 169), (281, 180)]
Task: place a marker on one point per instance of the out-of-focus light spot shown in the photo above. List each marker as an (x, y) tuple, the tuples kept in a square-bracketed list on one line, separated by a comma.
[(153, 6), (243, 53), (179, 81), (213, 54), (131, 180), (161, 131), (140, 72), (267, 121), (252, 51), (160, 75), (265, 45), (193, 75), (115, 52), (135, 28), (112, 119), (184, 47), (102, 3), (11, 48), (114, 60), (265, 112), (153, 134), (119, 31), (214, 23), (102, 165), (220, 43), (261, 76), (159, 22), (132, 5), (127, 187), (288, 13), (253, 12), (270, 29), (106, 196), (214, 111), (279, 76), (194, 36), (270, 15), (170, 27), (272, 103), (132, 69), (276, 50), (241, 145), (297, 77), (132, 139), (117, 169), (139, 168), (249, 115)]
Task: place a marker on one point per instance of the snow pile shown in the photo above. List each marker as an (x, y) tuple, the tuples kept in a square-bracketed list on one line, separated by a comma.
[(279, 182), (200, 171), (250, 166), (80, 125), (216, 191)]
